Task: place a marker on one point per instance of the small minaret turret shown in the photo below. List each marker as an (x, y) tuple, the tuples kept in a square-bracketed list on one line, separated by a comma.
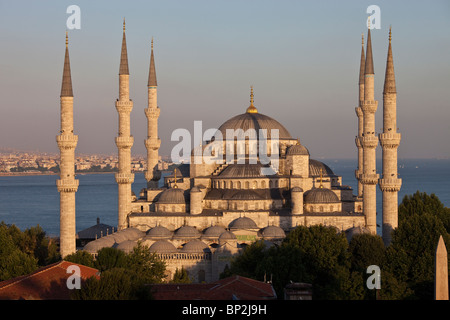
[(152, 174), (369, 142), (390, 184), (67, 184), (124, 141), (359, 113)]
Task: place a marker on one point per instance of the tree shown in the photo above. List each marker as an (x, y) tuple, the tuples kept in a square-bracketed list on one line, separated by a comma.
[(109, 258), (82, 257), (13, 262), (181, 276)]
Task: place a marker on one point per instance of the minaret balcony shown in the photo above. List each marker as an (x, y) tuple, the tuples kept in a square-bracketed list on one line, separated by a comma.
[(67, 185), (124, 106), (369, 178), (359, 112), (369, 106), (124, 142), (152, 143), (358, 173), (67, 141), (369, 142), (390, 184), (124, 178), (390, 140), (152, 113), (358, 142)]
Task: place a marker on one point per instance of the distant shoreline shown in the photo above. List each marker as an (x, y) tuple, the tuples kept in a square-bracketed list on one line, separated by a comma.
[(18, 174)]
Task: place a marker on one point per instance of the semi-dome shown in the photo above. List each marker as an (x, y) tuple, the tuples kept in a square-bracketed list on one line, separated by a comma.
[(172, 196), (213, 232), (255, 121), (187, 232), (316, 168), (159, 232), (297, 150), (273, 232), (195, 246), (162, 246), (320, 195), (243, 223)]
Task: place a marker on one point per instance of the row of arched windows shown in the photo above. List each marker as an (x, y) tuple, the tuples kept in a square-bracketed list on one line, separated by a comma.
[(254, 184)]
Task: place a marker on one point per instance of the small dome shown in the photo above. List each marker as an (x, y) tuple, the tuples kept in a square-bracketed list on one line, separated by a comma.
[(187, 232), (243, 223), (162, 246), (296, 189), (196, 189), (173, 196), (297, 150), (195, 246), (227, 236), (273, 232), (159, 232), (320, 195), (213, 232), (126, 246), (96, 245)]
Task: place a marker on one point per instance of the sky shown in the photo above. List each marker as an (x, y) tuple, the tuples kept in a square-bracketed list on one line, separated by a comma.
[(301, 57)]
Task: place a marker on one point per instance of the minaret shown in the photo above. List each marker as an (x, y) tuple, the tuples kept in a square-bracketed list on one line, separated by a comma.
[(152, 174), (390, 184), (359, 113), (124, 141), (369, 142), (67, 184)]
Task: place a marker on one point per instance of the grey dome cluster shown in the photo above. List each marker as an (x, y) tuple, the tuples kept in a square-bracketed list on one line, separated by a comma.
[(129, 234)]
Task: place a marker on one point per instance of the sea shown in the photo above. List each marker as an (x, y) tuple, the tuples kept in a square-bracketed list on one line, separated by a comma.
[(29, 201)]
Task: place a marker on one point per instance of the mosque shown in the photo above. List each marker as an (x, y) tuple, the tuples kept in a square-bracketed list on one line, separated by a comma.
[(206, 212)]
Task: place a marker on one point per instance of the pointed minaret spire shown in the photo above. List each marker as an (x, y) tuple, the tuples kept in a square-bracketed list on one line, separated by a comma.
[(363, 62), (66, 87), (389, 80), (152, 73), (124, 56), (369, 60)]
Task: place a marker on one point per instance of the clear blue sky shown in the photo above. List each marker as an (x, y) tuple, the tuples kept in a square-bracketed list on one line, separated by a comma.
[(302, 57)]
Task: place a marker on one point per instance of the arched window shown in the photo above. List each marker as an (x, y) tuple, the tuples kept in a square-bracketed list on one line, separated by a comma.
[(263, 184), (247, 185), (255, 185), (245, 206), (321, 209), (231, 184), (331, 209), (238, 184)]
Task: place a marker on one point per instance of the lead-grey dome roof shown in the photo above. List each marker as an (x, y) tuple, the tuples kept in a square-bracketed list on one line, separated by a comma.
[(195, 246), (159, 232), (297, 149), (243, 223), (315, 166), (187, 232), (255, 121), (273, 232), (172, 196), (162, 246), (320, 195), (213, 232)]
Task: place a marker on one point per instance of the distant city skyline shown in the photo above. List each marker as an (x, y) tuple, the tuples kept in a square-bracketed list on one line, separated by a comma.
[(301, 58)]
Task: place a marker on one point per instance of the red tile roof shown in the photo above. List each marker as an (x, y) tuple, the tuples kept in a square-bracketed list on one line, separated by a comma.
[(235, 287), (47, 283)]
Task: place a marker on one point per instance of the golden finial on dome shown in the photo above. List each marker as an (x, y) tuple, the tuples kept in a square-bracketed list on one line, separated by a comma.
[(252, 108)]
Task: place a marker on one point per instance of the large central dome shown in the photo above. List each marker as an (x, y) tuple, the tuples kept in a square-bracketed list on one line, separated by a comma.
[(252, 119), (255, 121)]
